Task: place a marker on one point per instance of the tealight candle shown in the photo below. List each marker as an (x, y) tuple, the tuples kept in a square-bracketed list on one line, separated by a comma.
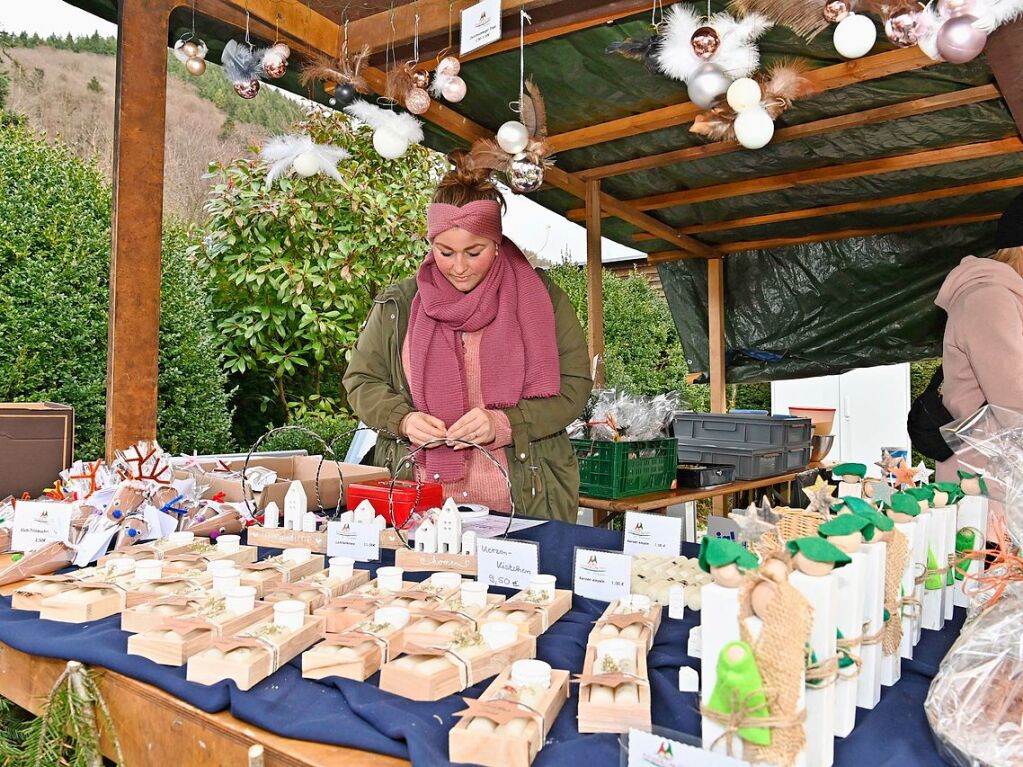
[(297, 555), (224, 580), (181, 537), (531, 672), (341, 568), (149, 569), (240, 599), (121, 565), (289, 614), (474, 593), (446, 581), (541, 588), (229, 544), (215, 566), (397, 617), (498, 635), (634, 603), (390, 578)]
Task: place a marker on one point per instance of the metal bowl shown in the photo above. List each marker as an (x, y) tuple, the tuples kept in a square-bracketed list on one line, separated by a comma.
[(821, 447)]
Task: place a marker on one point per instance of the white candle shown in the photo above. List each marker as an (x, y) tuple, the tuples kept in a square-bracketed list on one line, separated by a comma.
[(341, 568), (297, 555), (225, 580), (541, 589), (289, 614), (240, 599), (446, 581), (229, 544), (215, 566), (121, 565), (531, 672), (498, 635), (474, 593), (181, 537), (397, 617), (390, 578), (634, 603), (149, 569)]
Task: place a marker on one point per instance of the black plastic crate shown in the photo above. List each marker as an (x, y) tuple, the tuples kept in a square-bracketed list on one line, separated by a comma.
[(699, 475), (742, 429), (750, 461)]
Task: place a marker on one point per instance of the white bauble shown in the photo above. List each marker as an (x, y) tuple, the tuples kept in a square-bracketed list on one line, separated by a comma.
[(306, 164), (744, 93), (754, 128), (389, 144), (512, 137), (707, 84), (854, 36)]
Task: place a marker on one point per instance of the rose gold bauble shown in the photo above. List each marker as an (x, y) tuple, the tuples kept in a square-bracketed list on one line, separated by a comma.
[(959, 41), (275, 66), (283, 50), (417, 101), (420, 78), (190, 49), (449, 65), (247, 90), (454, 90), (705, 42), (195, 66), (836, 10), (903, 25), (952, 8)]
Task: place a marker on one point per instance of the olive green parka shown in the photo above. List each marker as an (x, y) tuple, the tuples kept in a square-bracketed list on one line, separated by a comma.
[(542, 464)]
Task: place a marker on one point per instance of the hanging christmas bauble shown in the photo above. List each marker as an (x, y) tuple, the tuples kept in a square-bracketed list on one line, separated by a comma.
[(512, 137), (247, 89), (449, 65), (417, 101), (195, 66), (420, 78), (274, 64), (453, 90), (705, 42), (854, 36), (754, 128), (707, 84), (948, 9), (344, 94), (306, 164), (389, 144), (190, 49), (283, 50), (744, 93), (959, 41), (525, 174), (836, 10), (903, 25)]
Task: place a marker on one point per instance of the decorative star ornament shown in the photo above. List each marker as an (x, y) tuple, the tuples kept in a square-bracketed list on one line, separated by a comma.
[(887, 464), (753, 525), (904, 474), (821, 496), (923, 474), (883, 493)]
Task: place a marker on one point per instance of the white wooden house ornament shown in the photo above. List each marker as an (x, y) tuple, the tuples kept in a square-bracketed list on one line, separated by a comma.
[(272, 515), (426, 536), (449, 529), (295, 504), (469, 542), (365, 512)]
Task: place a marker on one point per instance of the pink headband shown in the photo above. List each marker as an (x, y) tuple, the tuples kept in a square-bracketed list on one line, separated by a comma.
[(482, 218)]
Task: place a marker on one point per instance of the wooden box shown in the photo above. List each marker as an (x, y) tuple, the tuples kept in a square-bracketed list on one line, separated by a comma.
[(158, 549), (421, 629), (154, 611), (90, 601), (451, 675), (280, 538), (507, 747), (344, 612), (173, 641), (419, 562), (247, 658), (614, 716), (317, 590), (29, 595), (273, 570), (616, 625), (368, 652), (201, 551), (538, 619)]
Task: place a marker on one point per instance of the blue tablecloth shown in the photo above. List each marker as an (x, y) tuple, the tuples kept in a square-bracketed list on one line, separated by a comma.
[(360, 715)]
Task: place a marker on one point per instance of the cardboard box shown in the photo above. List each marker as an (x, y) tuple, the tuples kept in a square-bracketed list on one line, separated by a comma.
[(37, 441), (300, 467)]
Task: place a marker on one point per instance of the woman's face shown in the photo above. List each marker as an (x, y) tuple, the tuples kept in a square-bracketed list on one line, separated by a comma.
[(463, 257)]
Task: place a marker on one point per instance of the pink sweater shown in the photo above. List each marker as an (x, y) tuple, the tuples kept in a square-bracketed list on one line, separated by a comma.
[(483, 482)]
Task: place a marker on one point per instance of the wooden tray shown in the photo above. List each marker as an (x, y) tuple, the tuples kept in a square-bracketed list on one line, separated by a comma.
[(645, 637), (315, 591), (417, 633), (262, 575), (614, 717), (343, 612), (451, 679), (418, 562), (30, 594), (541, 619), (503, 749), (154, 611), (191, 633), (200, 552), (322, 661), (215, 664)]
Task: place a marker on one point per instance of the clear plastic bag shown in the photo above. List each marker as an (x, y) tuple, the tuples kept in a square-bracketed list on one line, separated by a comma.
[(618, 416)]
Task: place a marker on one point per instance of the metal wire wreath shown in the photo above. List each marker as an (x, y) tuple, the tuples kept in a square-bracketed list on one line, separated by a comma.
[(247, 492)]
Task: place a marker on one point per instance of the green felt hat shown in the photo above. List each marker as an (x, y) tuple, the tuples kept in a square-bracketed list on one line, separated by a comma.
[(720, 552), (818, 550), (904, 503), (952, 489), (847, 524), (856, 469), (970, 475), (925, 493), (855, 505), (879, 520)]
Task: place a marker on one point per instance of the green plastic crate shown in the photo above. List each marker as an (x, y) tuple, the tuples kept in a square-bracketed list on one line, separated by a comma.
[(621, 469)]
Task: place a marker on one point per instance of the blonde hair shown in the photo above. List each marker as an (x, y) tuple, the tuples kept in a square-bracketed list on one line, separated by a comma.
[(1012, 256)]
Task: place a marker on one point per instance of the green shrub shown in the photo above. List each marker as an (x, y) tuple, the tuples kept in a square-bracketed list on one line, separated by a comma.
[(327, 427), (5, 88), (54, 292), (94, 85)]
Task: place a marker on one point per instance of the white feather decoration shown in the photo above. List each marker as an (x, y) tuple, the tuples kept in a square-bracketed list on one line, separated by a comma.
[(281, 152), (930, 23), (402, 123), (991, 14), (439, 81), (737, 53)]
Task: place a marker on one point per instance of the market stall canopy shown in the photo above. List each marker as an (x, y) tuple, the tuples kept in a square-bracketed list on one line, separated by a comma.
[(836, 235)]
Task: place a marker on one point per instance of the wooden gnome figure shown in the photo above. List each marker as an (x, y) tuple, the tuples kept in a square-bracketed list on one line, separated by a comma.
[(850, 479)]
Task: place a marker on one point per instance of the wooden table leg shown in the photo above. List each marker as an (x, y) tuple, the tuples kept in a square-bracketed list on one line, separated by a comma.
[(718, 505)]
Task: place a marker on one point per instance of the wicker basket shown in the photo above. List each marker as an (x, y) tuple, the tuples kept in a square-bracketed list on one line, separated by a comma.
[(795, 523)]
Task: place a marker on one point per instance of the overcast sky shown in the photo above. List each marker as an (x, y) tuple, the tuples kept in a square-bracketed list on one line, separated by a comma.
[(532, 226)]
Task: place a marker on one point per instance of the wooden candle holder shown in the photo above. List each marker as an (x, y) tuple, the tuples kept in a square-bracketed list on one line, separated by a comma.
[(614, 716), (455, 675), (200, 552), (176, 639), (264, 575), (158, 549), (221, 661), (501, 748), (640, 628), (540, 617), (154, 611), (112, 597), (372, 646), (317, 590), (30, 595), (421, 561), (342, 613), (422, 632)]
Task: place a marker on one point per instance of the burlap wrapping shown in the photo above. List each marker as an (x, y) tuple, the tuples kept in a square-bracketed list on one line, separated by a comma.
[(779, 652), (895, 566)]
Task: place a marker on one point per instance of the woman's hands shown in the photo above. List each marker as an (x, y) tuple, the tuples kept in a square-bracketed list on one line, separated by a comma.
[(422, 428), (475, 426)]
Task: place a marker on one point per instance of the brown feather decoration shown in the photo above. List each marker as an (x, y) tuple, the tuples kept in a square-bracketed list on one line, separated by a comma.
[(534, 111), (399, 82), (345, 70), (486, 153), (804, 17)]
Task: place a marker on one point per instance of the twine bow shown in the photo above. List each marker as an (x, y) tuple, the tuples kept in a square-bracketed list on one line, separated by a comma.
[(1003, 568), (744, 714)]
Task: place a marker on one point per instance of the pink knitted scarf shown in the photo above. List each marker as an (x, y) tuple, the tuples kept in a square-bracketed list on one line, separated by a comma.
[(518, 350)]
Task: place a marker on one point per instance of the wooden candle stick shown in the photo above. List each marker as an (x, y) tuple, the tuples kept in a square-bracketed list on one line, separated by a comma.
[(611, 700), (623, 620), (316, 590), (357, 653), (30, 595), (273, 570), (448, 618), (155, 610), (201, 550)]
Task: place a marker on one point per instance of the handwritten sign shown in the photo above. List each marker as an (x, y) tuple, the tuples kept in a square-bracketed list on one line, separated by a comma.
[(652, 534), (358, 540), (603, 575), (37, 523), (507, 564), (481, 25)]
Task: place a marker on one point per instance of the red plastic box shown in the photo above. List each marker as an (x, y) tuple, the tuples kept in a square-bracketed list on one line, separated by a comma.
[(431, 495)]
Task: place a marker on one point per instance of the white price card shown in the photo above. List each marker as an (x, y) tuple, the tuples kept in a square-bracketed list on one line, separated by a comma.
[(507, 564), (603, 575), (652, 534), (358, 540), (647, 748), (481, 25), (37, 523)]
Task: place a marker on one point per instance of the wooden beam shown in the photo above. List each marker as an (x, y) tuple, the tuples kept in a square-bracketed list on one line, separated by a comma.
[(825, 78), (1004, 52), (140, 108), (594, 284), (845, 207), (910, 108), (716, 333), (297, 22), (778, 242)]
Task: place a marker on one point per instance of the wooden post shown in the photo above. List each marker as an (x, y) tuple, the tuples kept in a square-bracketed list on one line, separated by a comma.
[(139, 121), (716, 333), (594, 282)]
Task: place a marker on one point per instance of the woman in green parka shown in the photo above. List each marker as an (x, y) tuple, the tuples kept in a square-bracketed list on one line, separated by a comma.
[(478, 346)]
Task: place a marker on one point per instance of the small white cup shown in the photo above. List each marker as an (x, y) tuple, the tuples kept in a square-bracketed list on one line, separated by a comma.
[(297, 555), (121, 565), (637, 603), (542, 585), (396, 616), (240, 599), (181, 537), (500, 634), (225, 580), (390, 578), (149, 569), (290, 614), (341, 568), (474, 593), (446, 581), (229, 544), (621, 651), (219, 565), (532, 673)]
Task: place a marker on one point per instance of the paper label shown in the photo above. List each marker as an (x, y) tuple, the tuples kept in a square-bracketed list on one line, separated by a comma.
[(94, 545), (37, 523), (358, 540), (652, 534), (481, 25), (646, 749), (603, 575), (507, 564)]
